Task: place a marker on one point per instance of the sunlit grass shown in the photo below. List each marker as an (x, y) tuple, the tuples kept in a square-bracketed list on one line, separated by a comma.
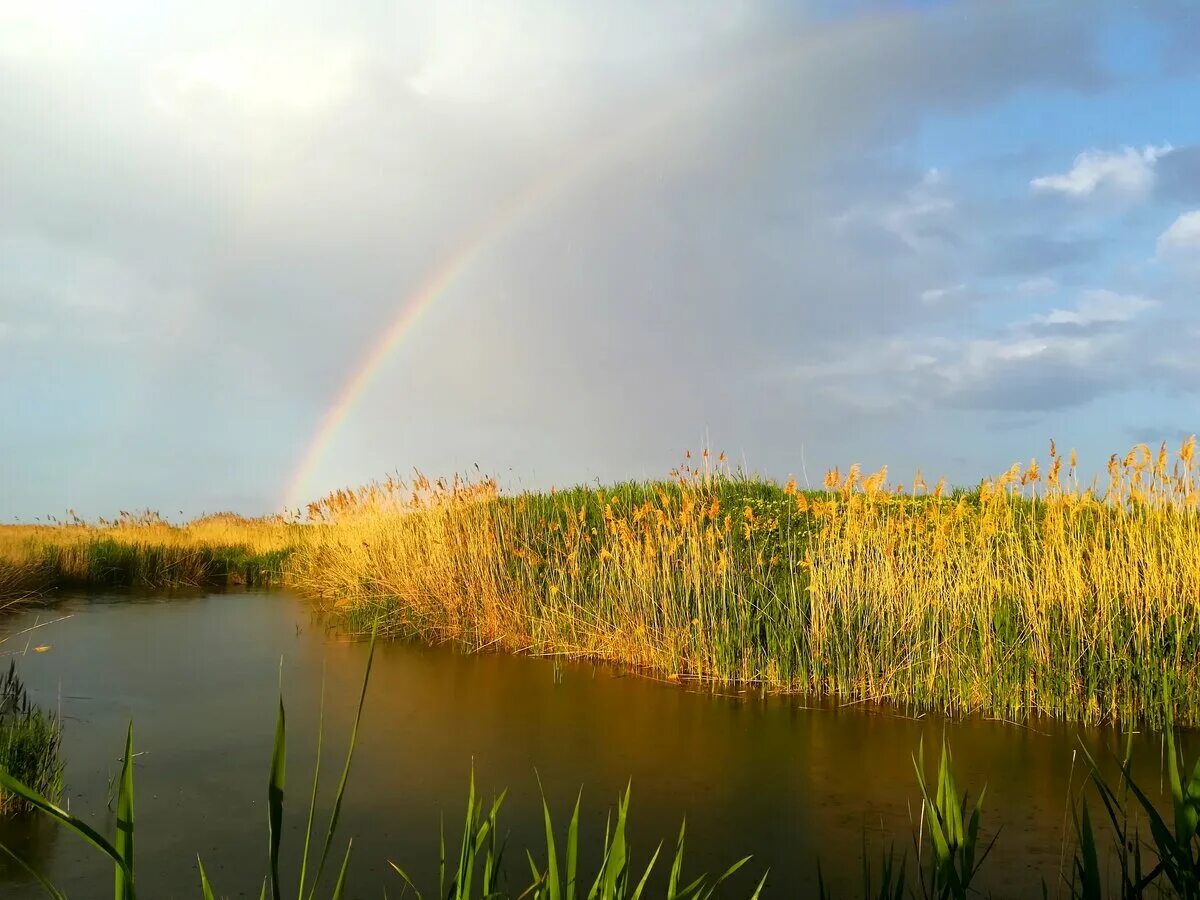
[(1033, 592), (142, 551)]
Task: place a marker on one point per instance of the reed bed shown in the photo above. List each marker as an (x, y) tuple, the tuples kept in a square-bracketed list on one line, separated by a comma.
[(1032, 593), (142, 551)]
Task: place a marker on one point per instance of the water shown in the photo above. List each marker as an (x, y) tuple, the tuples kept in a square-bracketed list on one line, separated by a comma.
[(769, 776)]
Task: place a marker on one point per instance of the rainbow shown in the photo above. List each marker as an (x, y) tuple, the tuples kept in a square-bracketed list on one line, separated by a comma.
[(435, 283), (587, 158)]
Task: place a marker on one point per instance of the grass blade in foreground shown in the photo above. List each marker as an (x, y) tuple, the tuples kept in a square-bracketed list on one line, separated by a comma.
[(81, 828), (123, 884), (41, 879), (206, 890), (312, 802), (341, 789), (275, 788)]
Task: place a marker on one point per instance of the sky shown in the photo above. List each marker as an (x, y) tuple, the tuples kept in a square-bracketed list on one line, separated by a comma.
[(252, 252)]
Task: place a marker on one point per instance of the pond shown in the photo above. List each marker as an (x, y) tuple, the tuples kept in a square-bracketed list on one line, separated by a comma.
[(780, 777)]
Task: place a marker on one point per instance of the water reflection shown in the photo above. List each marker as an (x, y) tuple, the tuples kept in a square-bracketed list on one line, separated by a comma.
[(767, 776)]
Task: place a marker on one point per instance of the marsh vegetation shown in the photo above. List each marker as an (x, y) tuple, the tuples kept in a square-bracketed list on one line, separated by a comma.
[(1033, 592)]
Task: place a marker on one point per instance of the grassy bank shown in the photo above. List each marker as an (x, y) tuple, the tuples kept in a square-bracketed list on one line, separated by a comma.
[(1032, 593), (142, 551)]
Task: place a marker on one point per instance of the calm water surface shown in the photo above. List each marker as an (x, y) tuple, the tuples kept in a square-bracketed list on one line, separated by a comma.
[(199, 677)]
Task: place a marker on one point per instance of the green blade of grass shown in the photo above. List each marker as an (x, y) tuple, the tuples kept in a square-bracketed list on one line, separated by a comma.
[(339, 887), (711, 889), (573, 848), (123, 878), (81, 828), (41, 879), (205, 888), (554, 886), (275, 786), (408, 881), (312, 802), (763, 881), (616, 861), (1089, 863), (341, 789), (641, 885), (676, 863)]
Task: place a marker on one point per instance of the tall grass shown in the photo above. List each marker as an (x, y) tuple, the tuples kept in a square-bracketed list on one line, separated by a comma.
[(142, 551), (1031, 593), (30, 744)]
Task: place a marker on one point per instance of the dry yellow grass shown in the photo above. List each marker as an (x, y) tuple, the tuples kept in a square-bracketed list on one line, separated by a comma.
[(1032, 593), (142, 550)]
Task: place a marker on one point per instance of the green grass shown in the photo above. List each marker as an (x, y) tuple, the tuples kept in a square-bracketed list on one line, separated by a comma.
[(1021, 597), (106, 563), (30, 743)]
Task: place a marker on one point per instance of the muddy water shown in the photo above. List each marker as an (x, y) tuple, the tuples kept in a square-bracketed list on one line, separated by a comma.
[(773, 777)]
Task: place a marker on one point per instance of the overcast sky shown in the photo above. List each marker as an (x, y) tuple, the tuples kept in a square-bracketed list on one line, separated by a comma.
[(926, 234)]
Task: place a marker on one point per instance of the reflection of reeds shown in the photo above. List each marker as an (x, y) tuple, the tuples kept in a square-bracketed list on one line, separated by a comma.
[(949, 847)]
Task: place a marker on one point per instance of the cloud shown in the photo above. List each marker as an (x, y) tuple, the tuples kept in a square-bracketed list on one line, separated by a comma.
[(1038, 253), (1127, 172), (301, 78), (683, 201), (933, 296), (1178, 174), (1039, 284), (1060, 359), (1181, 241), (921, 219), (1097, 307)]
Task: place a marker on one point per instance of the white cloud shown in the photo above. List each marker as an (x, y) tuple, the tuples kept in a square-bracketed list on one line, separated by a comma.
[(1181, 241), (919, 220), (934, 296), (1097, 307), (304, 78), (1040, 284), (40, 32), (1128, 172)]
